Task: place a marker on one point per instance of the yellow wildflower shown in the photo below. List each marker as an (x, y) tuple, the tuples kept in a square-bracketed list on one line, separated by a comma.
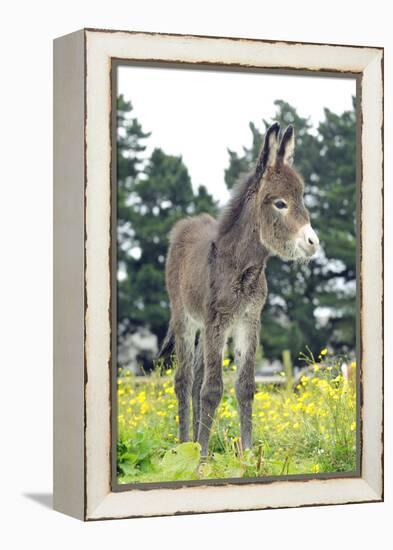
[(141, 396), (144, 408)]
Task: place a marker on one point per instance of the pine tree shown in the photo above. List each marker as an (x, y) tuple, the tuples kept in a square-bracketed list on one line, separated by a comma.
[(336, 188), (153, 195), (326, 160), (130, 162)]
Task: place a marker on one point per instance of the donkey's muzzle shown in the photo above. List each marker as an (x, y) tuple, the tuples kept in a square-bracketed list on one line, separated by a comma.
[(307, 240)]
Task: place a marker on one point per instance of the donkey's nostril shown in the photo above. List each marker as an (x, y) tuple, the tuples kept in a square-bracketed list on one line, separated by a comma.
[(309, 239)]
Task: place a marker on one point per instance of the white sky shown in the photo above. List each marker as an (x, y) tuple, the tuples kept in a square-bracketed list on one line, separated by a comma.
[(199, 114)]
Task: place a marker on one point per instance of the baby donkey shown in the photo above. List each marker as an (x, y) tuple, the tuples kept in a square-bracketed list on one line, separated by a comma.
[(215, 277)]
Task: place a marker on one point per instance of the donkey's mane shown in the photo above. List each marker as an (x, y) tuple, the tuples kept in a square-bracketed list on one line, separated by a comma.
[(241, 192), (216, 282)]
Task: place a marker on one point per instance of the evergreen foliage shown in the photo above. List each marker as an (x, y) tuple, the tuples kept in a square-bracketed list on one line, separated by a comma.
[(153, 194), (308, 305)]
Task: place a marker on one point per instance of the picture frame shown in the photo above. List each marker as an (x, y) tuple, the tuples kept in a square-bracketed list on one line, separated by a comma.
[(84, 305)]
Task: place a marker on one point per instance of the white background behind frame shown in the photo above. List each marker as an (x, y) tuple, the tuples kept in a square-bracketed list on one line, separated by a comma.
[(28, 495), (101, 47)]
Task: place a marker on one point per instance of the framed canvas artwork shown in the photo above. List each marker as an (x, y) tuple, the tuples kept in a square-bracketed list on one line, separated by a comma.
[(218, 267)]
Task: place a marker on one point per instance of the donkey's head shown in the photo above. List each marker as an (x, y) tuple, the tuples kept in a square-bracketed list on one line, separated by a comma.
[(284, 220)]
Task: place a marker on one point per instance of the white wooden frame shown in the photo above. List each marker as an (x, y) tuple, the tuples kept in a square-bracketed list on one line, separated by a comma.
[(82, 336)]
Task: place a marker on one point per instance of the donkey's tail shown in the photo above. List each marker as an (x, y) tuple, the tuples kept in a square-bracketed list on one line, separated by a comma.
[(168, 347)]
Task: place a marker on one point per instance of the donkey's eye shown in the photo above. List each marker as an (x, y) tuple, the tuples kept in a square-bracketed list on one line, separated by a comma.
[(280, 205)]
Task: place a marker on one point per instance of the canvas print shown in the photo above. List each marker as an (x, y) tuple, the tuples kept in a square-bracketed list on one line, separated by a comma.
[(236, 259)]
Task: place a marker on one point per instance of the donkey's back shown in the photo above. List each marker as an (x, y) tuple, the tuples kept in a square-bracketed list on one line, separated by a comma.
[(186, 267), (216, 282)]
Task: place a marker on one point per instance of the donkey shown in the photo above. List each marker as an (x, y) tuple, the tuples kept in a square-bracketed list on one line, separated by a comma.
[(215, 278)]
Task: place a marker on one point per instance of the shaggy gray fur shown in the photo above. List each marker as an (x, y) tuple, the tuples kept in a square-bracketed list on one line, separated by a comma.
[(215, 276)]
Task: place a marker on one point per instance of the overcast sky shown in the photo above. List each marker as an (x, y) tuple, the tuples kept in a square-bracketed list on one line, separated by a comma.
[(199, 114)]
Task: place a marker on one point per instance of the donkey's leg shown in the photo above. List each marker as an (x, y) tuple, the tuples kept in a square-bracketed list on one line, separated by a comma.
[(184, 344), (246, 340), (212, 387), (196, 386)]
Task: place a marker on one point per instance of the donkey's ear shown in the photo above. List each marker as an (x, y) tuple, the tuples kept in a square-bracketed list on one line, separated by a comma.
[(268, 154), (287, 146)]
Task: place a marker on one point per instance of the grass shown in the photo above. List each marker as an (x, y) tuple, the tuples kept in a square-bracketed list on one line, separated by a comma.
[(304, 430)]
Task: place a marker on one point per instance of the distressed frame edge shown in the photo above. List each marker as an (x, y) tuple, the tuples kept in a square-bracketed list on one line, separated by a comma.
[(69, 490), (369, 496), (376, 496), (372, 85), (234, 38)]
